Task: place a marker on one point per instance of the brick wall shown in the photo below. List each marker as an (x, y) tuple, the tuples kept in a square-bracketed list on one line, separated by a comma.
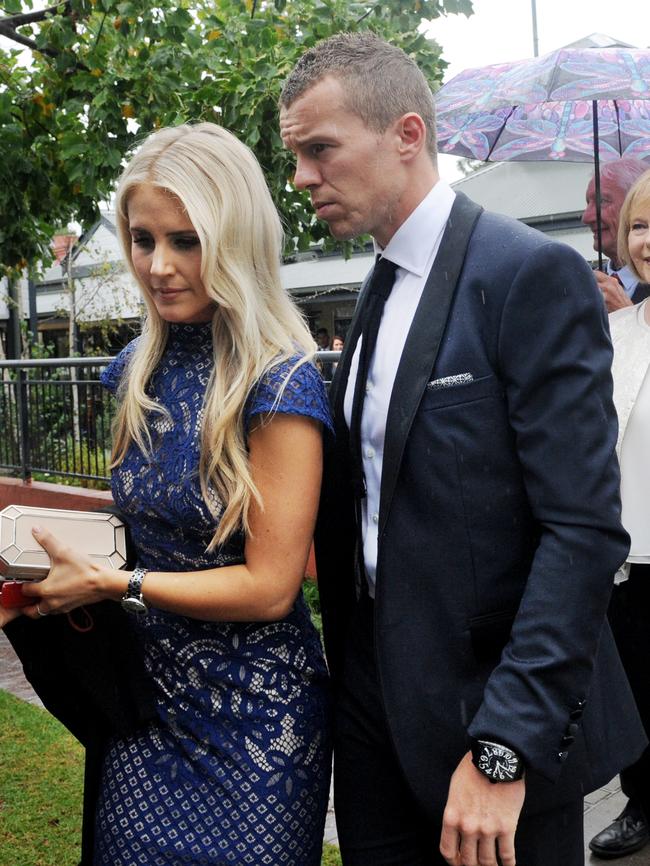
[(13, 491)]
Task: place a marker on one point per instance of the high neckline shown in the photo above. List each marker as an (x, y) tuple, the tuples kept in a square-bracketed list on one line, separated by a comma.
[(189, 336)]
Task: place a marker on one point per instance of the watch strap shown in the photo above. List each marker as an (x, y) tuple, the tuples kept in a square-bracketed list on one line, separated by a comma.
[(133, 600), (134, 589), (496, 761)]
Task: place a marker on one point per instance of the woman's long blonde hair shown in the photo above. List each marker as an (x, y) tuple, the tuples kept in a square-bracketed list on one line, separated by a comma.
[(255, 323)]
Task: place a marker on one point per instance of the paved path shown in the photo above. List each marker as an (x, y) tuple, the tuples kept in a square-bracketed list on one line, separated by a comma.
[(601, 807), (11, 674)]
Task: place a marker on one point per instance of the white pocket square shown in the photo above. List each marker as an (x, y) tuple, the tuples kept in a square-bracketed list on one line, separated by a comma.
[(450, 381)]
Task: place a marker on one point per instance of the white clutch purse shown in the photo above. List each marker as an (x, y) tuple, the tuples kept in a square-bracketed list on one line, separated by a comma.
[(100, 535)]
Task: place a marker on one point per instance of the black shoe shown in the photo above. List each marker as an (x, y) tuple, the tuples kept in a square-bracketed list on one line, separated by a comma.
[(628, 833)]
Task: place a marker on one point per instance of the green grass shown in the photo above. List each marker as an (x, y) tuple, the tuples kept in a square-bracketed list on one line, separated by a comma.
[(310, 592), (331, 856), (41, 777), (41, 780)]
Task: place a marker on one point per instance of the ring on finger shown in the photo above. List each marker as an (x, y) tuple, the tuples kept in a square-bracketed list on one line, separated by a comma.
[(40, 612)]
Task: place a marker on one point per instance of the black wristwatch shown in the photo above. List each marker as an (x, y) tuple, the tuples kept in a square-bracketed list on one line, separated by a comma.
[(132, 599), (498, 762)]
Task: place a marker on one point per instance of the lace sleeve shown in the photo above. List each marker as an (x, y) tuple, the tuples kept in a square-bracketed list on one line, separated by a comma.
[(111, 376), (303, 394)]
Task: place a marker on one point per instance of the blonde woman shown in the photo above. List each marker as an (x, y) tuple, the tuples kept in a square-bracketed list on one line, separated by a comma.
[(217, 465), (629, 611)]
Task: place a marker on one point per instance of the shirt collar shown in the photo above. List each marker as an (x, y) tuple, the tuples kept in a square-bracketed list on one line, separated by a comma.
[(411, 245), (626, 277)]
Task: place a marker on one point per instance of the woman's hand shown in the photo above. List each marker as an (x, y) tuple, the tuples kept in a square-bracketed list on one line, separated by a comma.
[(73, 580)]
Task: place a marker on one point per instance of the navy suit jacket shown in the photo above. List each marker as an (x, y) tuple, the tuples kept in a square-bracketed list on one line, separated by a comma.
[(499, 529)]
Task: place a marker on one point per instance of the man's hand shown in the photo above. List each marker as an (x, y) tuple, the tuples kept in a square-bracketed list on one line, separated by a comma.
[(613, 292), (480, 818)]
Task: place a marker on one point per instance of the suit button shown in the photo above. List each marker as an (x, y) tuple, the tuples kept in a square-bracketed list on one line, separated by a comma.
[(562, 756), (567, 740), (574, 715)]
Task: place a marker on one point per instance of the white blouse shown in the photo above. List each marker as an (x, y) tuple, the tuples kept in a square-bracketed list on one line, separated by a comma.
[(631, 340)]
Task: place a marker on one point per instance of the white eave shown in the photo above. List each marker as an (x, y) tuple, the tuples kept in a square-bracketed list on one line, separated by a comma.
[(547, 195), (321, 273)]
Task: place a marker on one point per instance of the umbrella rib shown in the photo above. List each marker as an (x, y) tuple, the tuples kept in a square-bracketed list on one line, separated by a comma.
[(554, 75), (618, 127), (498, 136)]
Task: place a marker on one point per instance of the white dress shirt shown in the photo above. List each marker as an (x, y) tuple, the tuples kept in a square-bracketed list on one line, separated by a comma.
[(413, 249)]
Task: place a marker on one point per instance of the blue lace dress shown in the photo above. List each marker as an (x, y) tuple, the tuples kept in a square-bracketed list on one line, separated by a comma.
[(236, 769)]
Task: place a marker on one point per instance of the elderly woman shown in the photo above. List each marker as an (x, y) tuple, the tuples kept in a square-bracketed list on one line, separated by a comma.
[(630, 606)]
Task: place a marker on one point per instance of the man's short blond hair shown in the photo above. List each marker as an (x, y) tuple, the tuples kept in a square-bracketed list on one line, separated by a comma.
[(380, 81)]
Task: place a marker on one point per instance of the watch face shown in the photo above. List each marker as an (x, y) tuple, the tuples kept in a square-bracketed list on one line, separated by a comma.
[(134, 605), (498, 763)]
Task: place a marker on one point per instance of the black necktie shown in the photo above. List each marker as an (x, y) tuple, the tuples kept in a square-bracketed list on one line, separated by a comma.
[(379, 288)]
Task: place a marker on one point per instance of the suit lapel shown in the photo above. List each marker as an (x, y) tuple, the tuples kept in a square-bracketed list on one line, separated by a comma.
[(423, 341), (641, 292)]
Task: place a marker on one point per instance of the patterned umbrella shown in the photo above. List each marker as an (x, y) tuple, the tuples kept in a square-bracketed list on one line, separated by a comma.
[(575, 104)]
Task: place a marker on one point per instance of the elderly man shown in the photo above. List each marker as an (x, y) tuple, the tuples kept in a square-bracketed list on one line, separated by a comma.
[(469, 529), (618, 284)]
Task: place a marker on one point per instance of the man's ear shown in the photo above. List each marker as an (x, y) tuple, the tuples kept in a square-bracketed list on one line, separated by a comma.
[(412, 133)]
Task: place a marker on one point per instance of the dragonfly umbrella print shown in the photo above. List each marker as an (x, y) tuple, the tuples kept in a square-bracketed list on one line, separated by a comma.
[(574, 104)]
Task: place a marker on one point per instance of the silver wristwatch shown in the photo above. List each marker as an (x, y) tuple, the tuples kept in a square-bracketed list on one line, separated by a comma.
[(132, 599)]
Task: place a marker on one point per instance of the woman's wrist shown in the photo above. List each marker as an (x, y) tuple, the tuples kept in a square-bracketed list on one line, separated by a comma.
[(110, 583)]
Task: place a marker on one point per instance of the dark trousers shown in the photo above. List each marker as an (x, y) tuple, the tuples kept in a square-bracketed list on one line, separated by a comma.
[(629, 617), (378, 820)]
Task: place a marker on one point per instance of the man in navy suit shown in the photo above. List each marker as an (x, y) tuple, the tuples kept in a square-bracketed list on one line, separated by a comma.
[(469, 529)]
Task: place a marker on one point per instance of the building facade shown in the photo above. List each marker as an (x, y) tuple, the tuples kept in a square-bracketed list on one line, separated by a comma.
[(90, 286)]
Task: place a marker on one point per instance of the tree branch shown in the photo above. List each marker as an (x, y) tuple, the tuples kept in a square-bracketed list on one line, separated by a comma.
[(10, 24), (368, 11), (13, 21), (29, 43)]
